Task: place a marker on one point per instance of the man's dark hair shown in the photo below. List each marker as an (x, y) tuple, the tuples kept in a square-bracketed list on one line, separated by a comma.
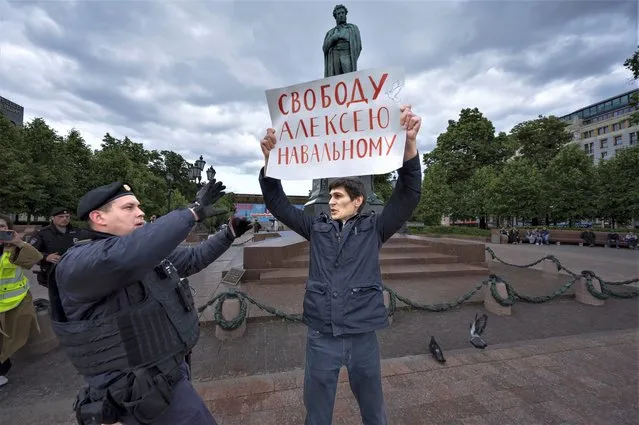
[(353, 187), (338, 7), (7, 220)]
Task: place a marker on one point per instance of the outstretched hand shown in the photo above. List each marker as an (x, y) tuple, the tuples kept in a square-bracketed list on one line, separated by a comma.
[(206, 197), (267, 144), (411, 123)]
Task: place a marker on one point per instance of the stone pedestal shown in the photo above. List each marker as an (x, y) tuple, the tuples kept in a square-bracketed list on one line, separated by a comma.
[(40, 341), (230, 310), (387, 305), (583, 296), (492, 305)]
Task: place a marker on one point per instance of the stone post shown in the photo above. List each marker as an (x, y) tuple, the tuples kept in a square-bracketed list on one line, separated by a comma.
[(549, 267), (583, 295), (230, 310), (492, 305), (387, 305)]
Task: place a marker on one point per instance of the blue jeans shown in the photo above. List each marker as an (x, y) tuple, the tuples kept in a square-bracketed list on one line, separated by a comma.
[(325, 355)]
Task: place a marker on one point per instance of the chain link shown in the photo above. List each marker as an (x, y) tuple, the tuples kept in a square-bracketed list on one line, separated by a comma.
[(493, 280)]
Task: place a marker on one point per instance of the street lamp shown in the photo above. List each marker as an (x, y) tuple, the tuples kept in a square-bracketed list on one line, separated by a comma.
[(195, 172), (210, 173)]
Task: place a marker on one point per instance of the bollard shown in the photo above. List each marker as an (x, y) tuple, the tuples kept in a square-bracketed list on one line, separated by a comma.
[(549, 267), (230, 309), (583, 296), (387, 305), (488, 257), (492, 305)]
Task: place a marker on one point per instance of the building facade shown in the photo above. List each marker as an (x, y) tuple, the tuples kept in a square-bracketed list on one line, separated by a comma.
[(12, 111), (603, 128)]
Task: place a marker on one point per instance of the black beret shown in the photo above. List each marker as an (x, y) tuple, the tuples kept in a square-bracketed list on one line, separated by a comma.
[(59, 210), (96, 198)]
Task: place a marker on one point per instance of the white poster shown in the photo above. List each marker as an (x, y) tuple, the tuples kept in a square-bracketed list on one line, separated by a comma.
[(346, 125)]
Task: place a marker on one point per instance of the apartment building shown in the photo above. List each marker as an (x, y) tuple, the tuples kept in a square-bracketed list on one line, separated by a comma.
[(603, 128)]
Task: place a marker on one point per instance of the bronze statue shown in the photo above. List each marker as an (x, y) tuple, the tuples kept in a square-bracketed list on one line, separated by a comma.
[(342, 45)]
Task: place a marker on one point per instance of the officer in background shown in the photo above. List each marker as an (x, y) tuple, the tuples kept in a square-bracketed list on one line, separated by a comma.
[(123, 310), (53, 240)]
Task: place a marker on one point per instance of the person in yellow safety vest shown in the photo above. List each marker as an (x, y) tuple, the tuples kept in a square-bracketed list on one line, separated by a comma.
[(16, 304)]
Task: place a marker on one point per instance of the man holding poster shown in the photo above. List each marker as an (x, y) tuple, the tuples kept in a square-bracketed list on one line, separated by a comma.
[(344, 302)]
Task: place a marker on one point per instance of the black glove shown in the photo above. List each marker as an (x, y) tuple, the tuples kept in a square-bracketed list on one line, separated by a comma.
[(239, 226), (208, 195)]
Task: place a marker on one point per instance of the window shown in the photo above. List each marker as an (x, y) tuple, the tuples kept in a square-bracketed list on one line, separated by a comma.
[(618, 140), (602, 130), (588, 134), (617, 126), (603, 143), (604, 154), (633, 138), (589, 148)]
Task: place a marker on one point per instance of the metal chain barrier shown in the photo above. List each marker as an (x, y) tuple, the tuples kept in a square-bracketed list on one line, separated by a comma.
[(511, 298)]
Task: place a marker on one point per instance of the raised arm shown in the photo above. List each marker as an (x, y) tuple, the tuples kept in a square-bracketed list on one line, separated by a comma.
[(278, 204), (403, 200), (407, 191), (190, 260), (274, 197), (94, 270)]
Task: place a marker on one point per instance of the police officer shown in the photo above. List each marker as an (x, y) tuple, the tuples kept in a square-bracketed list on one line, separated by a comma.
[(54, 240), (123, 310)]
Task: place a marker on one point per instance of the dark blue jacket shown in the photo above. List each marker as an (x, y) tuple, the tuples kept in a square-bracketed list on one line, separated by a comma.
[(102, 277), (344, 286)]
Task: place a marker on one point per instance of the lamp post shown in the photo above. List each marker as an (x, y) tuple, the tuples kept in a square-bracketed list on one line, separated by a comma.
[(169, 180), (195, 172), (393, 182)]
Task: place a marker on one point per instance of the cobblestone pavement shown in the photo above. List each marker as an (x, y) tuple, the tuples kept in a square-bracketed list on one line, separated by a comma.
[(41, 391), (589, 379)]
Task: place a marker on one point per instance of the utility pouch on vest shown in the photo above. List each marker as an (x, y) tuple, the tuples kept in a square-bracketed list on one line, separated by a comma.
[(150, 394), (90, 412), (184, 294)]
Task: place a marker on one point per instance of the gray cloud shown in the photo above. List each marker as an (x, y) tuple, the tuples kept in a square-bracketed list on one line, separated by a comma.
[(190, 76)]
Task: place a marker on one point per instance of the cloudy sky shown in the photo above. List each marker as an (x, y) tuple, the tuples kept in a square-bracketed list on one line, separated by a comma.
[(190, 76)]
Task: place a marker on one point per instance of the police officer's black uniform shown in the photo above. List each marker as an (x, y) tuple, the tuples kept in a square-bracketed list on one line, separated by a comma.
[(49, 240), (124, 312)]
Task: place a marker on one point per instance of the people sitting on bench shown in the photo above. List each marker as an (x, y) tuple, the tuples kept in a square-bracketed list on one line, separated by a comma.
[(588, 237)]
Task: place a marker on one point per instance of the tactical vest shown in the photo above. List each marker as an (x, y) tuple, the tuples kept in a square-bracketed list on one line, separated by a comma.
[(164, 325)]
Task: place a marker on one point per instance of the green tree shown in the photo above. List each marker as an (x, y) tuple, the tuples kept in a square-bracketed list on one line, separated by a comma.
[(437, 196), (469, 144), (541, 139), (632, 64), (15, 169), (618, 186), (516, 191), (569, 183), (52, 172)]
